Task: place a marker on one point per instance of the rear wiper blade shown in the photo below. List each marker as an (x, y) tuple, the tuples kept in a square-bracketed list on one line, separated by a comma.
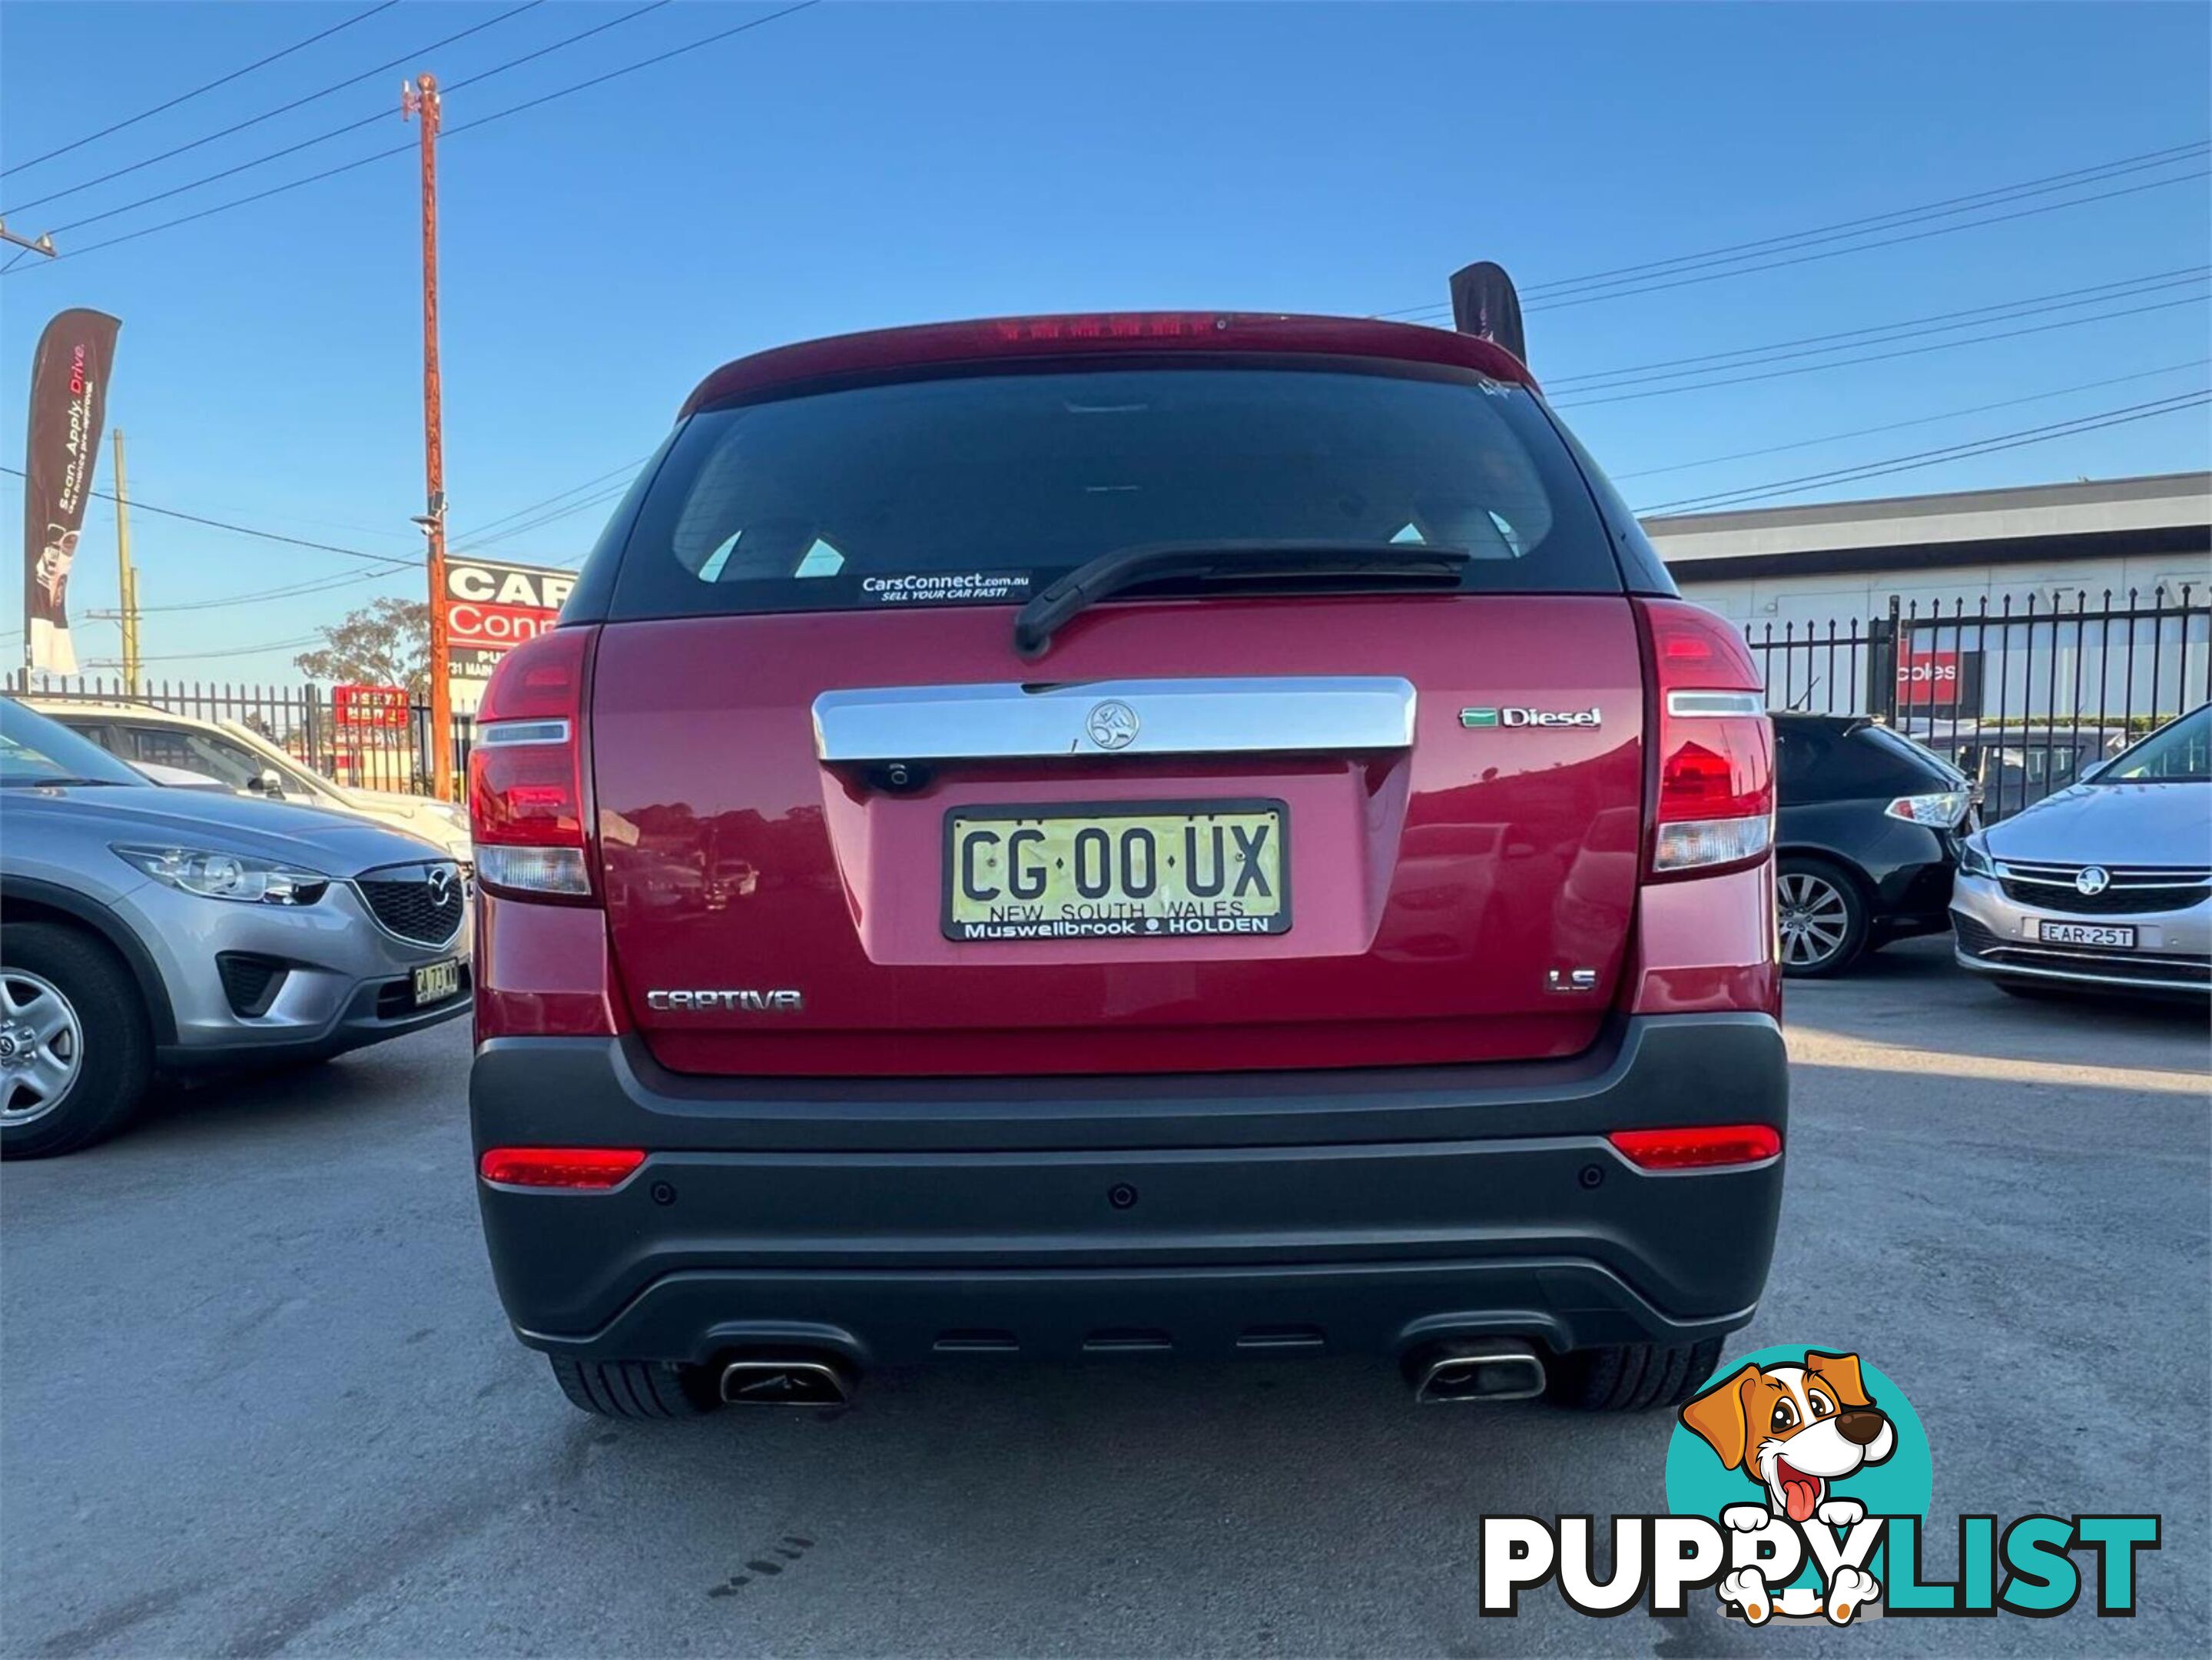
[(1231, 563)]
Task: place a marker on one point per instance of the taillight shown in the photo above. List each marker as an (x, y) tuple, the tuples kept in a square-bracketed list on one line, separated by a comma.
[(1942, 810), (1699, 1146), (527, 805), (559, 1167), (1714, 744)]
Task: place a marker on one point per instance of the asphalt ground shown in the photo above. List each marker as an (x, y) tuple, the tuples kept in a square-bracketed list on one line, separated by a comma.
[(257, 1397)]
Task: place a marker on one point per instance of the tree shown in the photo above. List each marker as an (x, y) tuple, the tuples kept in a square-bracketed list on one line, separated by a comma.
[(386, 643)]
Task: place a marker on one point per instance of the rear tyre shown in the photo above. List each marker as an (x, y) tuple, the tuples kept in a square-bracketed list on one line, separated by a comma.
[(634, 1389), (1632, 1377), (1823, 918), (76, 1055)]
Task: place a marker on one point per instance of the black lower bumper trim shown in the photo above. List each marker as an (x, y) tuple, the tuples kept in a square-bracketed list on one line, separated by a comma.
[(1211, 1313), (894, 1219)]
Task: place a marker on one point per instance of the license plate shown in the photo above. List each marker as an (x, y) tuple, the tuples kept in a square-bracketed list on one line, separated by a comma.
[(2087, 934), (1159, 870), (435, 981)]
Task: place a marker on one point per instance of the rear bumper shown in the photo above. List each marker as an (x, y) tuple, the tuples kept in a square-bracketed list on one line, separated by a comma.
[(1914, 893), (1363, 1212)]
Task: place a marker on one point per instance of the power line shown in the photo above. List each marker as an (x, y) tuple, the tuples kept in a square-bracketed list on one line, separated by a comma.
[(233, 651), (1918, 458), (1949, 206), (1917, 421), (2006, 311), (139, 506), (222, 206), (366, 120), (553, 47), (599, 499), (1867, 247), (643, 63), (294, 591), (1969, 203), (627, 467), (1612, 397), (266, 115), (220, 81), (397, 149), (1864, 247)]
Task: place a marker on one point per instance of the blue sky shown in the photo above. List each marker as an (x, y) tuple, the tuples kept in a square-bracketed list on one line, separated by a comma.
[(857, 165)]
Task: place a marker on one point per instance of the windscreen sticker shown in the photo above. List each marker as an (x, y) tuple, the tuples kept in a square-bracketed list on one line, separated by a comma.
[(942, 587)]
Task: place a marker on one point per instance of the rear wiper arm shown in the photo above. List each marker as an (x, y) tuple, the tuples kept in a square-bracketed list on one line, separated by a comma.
[(1232, 563)]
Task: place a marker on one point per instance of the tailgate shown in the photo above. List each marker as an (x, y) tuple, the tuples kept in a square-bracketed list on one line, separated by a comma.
[(1457, 886)]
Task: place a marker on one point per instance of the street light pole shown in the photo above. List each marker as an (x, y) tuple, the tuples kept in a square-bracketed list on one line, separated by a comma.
[(421, 101), (41, 244)]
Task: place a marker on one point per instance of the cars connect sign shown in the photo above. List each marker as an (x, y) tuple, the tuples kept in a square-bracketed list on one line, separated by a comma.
[(490, 608)]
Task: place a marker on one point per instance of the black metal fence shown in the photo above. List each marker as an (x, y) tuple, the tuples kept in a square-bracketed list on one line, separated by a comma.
[(301, 721), (2024, 697)]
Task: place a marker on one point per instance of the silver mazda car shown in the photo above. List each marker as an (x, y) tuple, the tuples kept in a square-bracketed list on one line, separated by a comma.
[(145, 931), (2105, 884)]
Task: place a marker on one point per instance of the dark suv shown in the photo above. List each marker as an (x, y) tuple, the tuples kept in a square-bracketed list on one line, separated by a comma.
[(1201, 834)]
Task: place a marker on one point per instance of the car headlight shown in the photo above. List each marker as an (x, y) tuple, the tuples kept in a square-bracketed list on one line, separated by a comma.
[(214, 875), (1974, 858)]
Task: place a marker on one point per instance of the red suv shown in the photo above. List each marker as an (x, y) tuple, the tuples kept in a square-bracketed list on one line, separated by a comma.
[(1183, 833)]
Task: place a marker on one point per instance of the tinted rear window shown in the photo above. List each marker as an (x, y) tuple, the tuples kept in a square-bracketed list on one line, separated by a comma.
[(983, 488)]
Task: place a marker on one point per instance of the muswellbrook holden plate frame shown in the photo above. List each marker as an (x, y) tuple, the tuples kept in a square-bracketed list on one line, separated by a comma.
[(1101, 814)]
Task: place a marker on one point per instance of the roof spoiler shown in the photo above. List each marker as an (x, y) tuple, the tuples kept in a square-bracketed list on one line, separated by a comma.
[(1484, 303)]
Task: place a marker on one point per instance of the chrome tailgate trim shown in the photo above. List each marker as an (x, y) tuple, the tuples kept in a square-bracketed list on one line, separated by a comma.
[(1008, 720)]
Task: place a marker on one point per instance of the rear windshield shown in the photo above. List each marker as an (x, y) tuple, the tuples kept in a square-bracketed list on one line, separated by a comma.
[(982, 489)]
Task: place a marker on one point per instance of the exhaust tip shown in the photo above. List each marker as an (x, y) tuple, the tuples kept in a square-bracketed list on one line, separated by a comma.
[(1481, 1369), (786, 1382)]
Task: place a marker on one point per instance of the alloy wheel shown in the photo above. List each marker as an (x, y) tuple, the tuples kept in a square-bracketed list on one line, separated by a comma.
[(41, 1047), (1816, 918)]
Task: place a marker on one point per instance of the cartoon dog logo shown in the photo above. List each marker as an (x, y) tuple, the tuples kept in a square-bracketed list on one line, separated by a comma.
[(1795, 1431)]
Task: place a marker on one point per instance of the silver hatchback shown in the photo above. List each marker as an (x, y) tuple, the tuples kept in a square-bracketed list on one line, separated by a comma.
[(2108, 883), (145, 930)]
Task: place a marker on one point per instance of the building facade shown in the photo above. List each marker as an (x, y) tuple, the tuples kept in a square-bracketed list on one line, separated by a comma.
[(2066, 545)]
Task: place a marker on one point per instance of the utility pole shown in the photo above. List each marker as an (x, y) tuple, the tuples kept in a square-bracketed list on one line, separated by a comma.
[(126, 577), (421, 101)]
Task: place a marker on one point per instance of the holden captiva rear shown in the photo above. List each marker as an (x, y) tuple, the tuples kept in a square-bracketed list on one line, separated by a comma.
[(1181, 833)]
